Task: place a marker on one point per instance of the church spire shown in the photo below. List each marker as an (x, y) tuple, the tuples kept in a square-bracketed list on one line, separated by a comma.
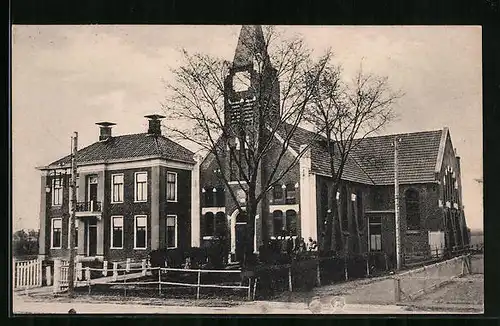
[(251, 44)]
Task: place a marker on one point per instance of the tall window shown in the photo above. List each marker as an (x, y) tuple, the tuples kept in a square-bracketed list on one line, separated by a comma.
[(171, 231), (375, 233), (140, 234), (277, 222), (141, 186), (209, 224), (343, 209), (412, 209), (57, 192), (117, 188), (278, 194), (290, 193), (56, 233), (117, 232), (220, 224), (291, 222), (171, 186), (220, 198), (75, 235)]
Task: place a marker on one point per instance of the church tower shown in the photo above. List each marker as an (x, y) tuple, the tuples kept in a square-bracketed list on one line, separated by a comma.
[(251, 101), (251, 87)]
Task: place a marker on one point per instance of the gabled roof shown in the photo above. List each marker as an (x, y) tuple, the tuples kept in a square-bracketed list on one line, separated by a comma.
[(417, 156), (123, 148), (372, 160)]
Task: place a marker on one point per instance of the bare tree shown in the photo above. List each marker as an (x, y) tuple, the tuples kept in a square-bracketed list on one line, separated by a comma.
[(345, 113), (245, 141)]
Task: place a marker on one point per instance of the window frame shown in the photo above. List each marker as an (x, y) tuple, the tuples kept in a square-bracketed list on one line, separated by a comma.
[(145, 233), (60, 189), (175, 187), (52, 233), (371, 225), (136, 174), (176, 244), (112, 226), (113, 188)]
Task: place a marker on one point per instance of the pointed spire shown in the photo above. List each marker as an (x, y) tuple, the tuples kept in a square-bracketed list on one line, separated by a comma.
[(250, 43)]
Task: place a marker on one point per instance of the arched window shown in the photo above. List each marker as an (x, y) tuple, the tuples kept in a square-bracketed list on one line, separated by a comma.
[(290, 194), (343, 209), (360, 212), (241, 218), (278, 223), (291, 222), (220, 224), (209, 224), (220, 198), (208, 196), (412, 209)]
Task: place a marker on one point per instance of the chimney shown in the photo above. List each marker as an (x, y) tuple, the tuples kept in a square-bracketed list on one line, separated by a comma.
[(154, 124), (105, 130)]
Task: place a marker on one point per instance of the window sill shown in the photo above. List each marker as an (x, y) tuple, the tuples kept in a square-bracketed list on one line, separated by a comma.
[(116, 202), (172, 201), (140, 201), (171, 247), (55, 247), (413, 231), (113, 248), (140, 248)]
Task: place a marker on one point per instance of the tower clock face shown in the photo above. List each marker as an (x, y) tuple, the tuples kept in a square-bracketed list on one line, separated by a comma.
[(241, 81)]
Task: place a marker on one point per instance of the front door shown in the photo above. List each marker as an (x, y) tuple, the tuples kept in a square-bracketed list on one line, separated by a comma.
[(91, 237)]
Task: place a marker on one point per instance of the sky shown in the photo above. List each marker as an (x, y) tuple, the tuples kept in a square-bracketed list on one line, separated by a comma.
[(67, 78)]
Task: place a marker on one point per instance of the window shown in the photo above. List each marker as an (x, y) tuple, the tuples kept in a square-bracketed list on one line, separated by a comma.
[(140, 234), (117, 188), (209, 196), (56, 233), (220, 198), (75, 235), (375, 233), (290, 193), (57, 192), (278, 193), (171, 186), (209, 224), (278, 222), (412, 209), (220, 224), (291, 222), (141, 186), (116, 232), (171, 231)]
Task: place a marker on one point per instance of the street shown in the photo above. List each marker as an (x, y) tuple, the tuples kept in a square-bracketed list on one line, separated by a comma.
[(23, 306)]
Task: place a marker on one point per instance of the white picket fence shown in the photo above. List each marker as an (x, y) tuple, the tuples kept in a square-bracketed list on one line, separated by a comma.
[(27, 274)]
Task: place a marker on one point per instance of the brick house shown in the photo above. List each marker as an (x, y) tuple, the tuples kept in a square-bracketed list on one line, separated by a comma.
[(430, 191), (133, 196)]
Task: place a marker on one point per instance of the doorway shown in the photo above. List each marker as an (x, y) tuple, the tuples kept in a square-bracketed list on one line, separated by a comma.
[(90, 239), (240, 237)]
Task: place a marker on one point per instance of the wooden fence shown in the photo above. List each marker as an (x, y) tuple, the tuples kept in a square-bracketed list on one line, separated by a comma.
[(27, 274), (123, 272)]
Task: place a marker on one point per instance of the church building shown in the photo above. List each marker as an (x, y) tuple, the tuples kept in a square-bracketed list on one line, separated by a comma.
[(430, 190)]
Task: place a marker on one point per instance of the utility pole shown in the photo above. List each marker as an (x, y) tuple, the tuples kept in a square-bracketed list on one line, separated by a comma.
[(396, 204), (71, 267)]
